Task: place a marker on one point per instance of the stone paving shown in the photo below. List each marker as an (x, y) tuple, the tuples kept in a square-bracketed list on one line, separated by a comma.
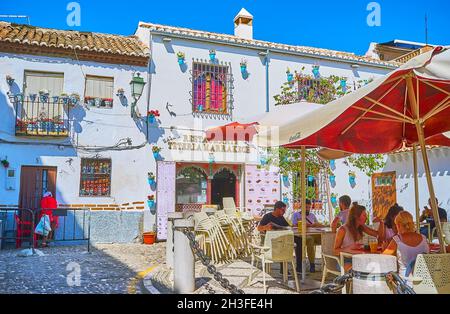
[(108, 268), (121, 269)]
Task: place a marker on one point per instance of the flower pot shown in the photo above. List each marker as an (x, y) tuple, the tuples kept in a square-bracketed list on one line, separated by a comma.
[(151, 119), (212, 56), (315, 72), (243, 69), (332, 180), (333, 200), (285, 179), (200, 108), (43, 98), (332, 164), (180, 61), (149, 237), (310, 178), (352, 180), (156, 155), (151, 181), (151, 203), (290, 77)]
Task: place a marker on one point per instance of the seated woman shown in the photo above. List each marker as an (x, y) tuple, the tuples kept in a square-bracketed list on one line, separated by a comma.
[(387, 229), (407, 244), (351, 233)]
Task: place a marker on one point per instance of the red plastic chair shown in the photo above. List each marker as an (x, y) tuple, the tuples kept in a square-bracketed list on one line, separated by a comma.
[(23, 229)]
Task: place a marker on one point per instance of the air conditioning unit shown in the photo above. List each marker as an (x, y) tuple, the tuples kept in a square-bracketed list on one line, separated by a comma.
[(10, 179)]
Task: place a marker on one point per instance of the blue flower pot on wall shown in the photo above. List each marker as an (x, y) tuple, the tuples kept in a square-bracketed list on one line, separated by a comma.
[(352, 181), (151, 119), (310, 178), (151, 181), (212, 56), (333, 200), (332, 164), (200, 108), (243, 69), (285, 179), (290, 77), (344, 85), (286, 201), (180, 61), (333, 180), (316, 72), (156, 155), (151, 203)]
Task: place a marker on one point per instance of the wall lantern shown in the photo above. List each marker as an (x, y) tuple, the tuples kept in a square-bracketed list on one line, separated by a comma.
[(137, 86)]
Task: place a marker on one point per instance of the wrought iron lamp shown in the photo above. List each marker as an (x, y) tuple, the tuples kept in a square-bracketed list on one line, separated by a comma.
[(137, 86)]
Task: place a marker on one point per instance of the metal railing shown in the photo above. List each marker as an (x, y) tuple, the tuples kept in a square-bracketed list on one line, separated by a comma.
[(18, 226), (39, 115)]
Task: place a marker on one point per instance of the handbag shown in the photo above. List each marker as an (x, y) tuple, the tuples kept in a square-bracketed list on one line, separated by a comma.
[(43, 227)]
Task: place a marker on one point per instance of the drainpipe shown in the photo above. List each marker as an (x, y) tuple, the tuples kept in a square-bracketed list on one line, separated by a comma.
[(267, 80)]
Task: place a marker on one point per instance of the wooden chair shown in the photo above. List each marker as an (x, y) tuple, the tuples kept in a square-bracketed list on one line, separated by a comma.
[(432, 274), (278, 248)]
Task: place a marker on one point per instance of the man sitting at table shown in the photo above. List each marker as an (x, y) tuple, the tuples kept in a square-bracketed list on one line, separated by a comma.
[(427, 215), (274, 220), (341, 217), (311, 241)]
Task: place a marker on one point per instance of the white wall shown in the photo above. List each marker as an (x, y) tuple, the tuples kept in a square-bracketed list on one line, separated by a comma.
[(402, 163), (93, 127)]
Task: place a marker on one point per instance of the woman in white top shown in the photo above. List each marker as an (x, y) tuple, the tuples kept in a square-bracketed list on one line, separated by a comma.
[(351, 233), (407, 244), (387, 229)]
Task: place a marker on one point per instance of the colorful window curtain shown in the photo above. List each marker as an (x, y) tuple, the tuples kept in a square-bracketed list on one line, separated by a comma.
[(210, 93)]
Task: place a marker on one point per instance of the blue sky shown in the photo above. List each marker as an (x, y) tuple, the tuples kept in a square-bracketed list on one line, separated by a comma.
[(339, 25)]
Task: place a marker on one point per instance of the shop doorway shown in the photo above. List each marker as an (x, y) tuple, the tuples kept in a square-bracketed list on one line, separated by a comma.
[(223, 185)]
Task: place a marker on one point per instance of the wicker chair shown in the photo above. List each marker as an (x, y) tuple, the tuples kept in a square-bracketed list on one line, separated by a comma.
[(432, 274)]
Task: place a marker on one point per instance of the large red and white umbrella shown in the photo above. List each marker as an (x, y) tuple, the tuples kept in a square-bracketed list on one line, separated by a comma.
[(408, 105)]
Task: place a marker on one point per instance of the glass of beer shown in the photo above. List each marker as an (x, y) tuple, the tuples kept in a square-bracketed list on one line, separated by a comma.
[(373, 246)]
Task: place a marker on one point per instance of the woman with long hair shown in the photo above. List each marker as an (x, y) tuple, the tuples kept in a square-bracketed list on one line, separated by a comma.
[(407, 244), (349, 235), (387, 229)]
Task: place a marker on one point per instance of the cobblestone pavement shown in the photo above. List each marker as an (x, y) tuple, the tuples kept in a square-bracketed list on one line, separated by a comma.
[(237, 273), (108, 268)]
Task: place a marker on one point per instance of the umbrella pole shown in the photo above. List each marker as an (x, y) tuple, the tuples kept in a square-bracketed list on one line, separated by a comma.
[(414, 103), (434, 206), (416, 187), (303, 190)]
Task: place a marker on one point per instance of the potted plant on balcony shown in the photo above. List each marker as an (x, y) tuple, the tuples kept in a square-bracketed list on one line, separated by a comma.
[(97, 102), (5, 163), (65, 98), (212, 54), (151, 178), (32, 97), (200, 108), (156, 150), (180, 56), (44, 95), (74, 99), (151, 115), (108, 102)]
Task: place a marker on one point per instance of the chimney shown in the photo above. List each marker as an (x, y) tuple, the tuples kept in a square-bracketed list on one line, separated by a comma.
[(243, 24)]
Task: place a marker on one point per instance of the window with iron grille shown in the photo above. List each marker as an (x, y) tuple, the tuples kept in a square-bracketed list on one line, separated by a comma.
[(95, 177), (211, 89)]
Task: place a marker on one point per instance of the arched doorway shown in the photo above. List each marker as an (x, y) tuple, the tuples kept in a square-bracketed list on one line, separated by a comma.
[(223, 185)]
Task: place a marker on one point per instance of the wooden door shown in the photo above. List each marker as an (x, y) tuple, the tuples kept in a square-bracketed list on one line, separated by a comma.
[(34, 181), (384, 193)]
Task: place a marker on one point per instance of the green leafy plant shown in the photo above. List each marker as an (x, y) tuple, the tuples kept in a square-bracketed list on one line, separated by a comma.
[(368, 164)]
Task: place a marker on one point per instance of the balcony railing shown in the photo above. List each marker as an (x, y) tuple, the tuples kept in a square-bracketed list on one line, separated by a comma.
[(42, 116)]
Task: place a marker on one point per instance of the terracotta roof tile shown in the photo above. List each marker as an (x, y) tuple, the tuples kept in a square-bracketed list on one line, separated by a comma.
[(67, 41), (190, 33)]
